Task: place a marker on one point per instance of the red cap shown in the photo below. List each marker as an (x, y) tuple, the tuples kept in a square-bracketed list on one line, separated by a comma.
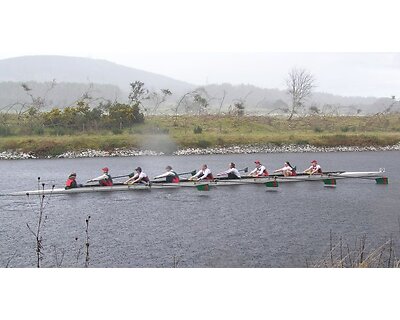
[(314, 161), (257, 161), (105, 169)]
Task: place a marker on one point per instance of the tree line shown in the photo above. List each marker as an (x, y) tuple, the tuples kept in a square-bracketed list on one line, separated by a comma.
[(116, 116)]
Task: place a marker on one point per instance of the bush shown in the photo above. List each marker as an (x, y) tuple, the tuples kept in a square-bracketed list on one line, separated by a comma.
[(197, 130)]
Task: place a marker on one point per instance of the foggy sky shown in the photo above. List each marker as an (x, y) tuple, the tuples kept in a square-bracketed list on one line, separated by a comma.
[(347, 74), (219, 41)]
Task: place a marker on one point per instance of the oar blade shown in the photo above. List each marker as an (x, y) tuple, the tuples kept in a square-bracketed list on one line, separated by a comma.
[(203, 187), (382, 180), (272, 184), (331, 182)]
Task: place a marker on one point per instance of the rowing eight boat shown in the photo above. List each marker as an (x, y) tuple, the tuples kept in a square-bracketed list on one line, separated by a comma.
[(217, 182)]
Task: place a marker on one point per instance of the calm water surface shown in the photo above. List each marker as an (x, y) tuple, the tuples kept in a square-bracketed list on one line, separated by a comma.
[(238, 226)]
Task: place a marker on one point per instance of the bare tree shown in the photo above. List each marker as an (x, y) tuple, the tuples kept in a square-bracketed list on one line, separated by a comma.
[(300, 84), (222, 102), (159, 98), (388, 109)]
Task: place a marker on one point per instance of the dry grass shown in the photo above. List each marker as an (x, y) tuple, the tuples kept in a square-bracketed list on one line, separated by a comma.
[(342, 255)]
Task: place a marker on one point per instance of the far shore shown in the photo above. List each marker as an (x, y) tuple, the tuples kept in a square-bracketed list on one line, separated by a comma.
[(245, 149)]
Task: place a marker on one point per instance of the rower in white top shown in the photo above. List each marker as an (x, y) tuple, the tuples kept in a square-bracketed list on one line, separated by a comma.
[(203, 174), (139, 176), (259, 171), (232, 172), (315, 168), (287, 170)]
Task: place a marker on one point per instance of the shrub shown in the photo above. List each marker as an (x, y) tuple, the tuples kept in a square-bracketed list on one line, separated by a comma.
[(197, 130)]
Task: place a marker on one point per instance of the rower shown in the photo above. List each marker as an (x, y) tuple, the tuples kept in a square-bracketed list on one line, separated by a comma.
[(104, 180), (139, 176), (287, 170), (71, 182), (203, 174), (315, 168), (232, 172), (259, 171), (170, 175)]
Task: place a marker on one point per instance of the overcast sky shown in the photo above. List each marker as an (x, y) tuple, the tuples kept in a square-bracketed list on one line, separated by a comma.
[(204, 42)]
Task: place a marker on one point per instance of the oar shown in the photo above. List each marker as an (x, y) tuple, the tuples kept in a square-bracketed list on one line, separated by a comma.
[(125, 176), (99, 185), (272, 184), (190, 172), (330, 182), (203, 187), (244, 170), (382, 180), (183, 173), (179, 174)]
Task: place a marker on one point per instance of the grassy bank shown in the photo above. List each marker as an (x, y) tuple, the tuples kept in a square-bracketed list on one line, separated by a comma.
[(162, 133)]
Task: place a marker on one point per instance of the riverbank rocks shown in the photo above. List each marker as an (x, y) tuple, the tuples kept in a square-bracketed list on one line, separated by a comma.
[(15, 155), (115, 153), (246, 149)]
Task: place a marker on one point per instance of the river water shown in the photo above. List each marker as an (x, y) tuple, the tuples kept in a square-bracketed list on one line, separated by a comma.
[(238, 226)]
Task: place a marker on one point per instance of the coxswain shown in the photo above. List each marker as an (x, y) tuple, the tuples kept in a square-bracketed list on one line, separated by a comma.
[(71, 182), (287, 170), (232, 172), (315, 168), (170, 175), (203, 174), (259, 171), (104, 180), (139, 176)]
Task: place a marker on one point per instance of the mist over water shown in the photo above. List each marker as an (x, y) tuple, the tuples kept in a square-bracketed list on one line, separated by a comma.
[(237, 226)]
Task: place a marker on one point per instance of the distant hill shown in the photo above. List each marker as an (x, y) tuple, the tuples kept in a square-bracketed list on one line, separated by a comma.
[(105, 80), (259, 100), (82, 70)]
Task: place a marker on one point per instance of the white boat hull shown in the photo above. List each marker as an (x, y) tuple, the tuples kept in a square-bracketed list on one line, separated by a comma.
[(217, 182)]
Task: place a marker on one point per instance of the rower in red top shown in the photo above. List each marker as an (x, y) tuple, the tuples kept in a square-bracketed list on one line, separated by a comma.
[(139, 177), (315, 168), (104, 180), (203, 174), (259, 171), (71, 182)]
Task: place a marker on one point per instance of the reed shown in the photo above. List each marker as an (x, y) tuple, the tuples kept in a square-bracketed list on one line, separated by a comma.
[(358, 256)]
